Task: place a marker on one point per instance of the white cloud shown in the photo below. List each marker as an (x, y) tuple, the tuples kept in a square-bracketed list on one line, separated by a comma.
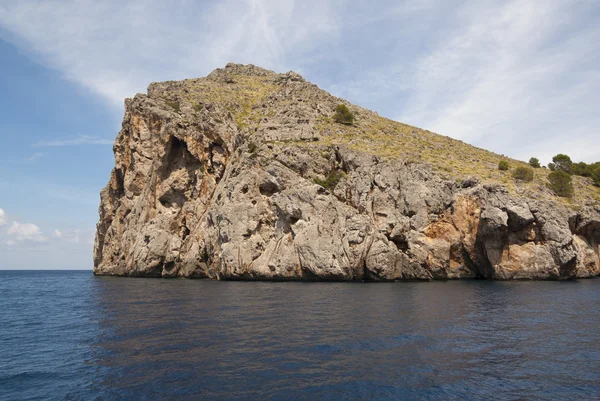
[(513, 76), (75, 236), (26, 232), (11, 243), (2, 217), (117, 48), (80, 140), (72, 236), (519, 77)]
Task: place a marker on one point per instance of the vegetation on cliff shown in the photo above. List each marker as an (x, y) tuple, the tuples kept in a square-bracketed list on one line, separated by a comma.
[(562, 162), (524, 174), (561, 183), (343, 115), (249, 174), (534, 162), (254, 103)]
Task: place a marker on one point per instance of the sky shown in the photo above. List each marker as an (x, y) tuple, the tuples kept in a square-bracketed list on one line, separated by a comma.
[(518, 77)]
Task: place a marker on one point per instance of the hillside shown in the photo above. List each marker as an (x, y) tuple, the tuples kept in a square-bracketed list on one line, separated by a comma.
[(244, 174), (250, 99)]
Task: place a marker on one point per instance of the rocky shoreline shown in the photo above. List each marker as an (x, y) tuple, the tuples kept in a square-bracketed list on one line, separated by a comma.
[(256, 190)]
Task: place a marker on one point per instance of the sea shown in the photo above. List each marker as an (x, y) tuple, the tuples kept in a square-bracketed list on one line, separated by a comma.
[(68, 335)]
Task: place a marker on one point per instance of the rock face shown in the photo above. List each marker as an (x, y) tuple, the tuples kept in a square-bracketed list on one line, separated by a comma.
[(235, 176)]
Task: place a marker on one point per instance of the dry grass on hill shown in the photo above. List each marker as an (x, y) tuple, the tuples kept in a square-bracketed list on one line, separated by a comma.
[(240, 95)]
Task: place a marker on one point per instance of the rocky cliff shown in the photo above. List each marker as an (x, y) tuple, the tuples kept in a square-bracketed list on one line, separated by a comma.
[(244, 175)]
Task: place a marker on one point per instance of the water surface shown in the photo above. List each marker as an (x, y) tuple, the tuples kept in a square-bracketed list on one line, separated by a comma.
[(73, 336)]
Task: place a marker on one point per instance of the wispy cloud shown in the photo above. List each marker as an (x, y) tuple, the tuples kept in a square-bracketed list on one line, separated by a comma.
[(2, 217), (514, 75), (33, 157), (75, 237), (68, 194), (78, 141), (105, 45), (521, 77), (72, 235)]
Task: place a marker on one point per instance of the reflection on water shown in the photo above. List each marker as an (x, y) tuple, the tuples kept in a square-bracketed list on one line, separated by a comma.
[(182, 339)]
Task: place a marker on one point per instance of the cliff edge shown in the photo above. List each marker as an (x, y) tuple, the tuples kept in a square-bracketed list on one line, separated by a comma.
[(245, 175)]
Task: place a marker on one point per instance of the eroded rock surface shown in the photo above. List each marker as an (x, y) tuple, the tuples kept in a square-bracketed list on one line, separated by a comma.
[(232, 177)]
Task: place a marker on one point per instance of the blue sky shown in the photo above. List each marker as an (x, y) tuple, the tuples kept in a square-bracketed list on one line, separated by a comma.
[(521, 78)]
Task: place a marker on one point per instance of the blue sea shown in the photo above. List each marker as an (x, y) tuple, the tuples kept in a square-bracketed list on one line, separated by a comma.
[(67, 335)]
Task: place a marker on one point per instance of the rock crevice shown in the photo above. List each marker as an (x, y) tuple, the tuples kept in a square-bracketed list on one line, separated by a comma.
[(241, 182)]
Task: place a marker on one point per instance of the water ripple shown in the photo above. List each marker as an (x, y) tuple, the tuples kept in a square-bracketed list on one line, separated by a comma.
[(72, 336)]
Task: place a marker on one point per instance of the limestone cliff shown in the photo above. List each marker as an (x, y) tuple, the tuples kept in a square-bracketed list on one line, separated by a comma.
[(244, 175)]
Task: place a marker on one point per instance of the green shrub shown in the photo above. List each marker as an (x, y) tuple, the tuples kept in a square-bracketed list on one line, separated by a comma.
[(552, 166), (343, 115), (563, 163), (534, 162), (331, 181), (174, 105), (523, 174), (595, 174), (591, 170), (582, 169), (561, 183), (503, 165)]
